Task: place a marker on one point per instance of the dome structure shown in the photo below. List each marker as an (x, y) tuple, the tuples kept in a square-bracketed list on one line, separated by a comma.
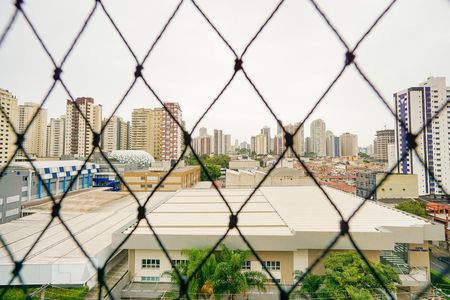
[(139, 157)]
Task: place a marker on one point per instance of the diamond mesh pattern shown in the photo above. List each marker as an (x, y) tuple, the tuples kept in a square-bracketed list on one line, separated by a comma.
[(239, 66)]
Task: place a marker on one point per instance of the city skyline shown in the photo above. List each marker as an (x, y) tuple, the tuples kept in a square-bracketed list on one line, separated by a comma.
[(303, 70)]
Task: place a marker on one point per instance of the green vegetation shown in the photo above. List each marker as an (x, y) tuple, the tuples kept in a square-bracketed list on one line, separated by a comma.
[(363, 155), (413, 207), (441, 282), (310, 154), (16, 293), (347, 277), (220, 275), (211, 163)]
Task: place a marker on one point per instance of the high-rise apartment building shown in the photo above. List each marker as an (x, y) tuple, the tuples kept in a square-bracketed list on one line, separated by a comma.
[(329, 140), (308, 145), (266, 131), (146, 131), (298, 143), (115, 135), (35, 143), (204, 143), (227, 143), (349, 144), (318, 138), (56, 131), (415, 108), (8, 103), (253, 144), (261, 144), (382, 139), (218, 142), (124, 135), (171, 134), (79, 136), (337, 146)]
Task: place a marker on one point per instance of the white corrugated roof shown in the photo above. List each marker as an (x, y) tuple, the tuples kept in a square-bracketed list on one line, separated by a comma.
[(301, 212)]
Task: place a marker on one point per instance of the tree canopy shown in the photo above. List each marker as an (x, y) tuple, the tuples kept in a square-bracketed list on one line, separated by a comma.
[(221, 274), (212, 164), (347, 276), (413, 207)]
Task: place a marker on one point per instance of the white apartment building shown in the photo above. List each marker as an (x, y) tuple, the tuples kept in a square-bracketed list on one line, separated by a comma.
[(318, 139), (56, 131), (416, 107), (35, 143), (8, 103)]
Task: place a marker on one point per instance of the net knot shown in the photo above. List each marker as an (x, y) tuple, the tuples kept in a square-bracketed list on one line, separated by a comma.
[(344, 227), (138, 71), (237, 64), (20, 140), (57, 74), (17, 267), (289, 141), (349, 58), (96, 140), (56, 209), (141, 212), (233, 221), (411, 140), (186, 138)]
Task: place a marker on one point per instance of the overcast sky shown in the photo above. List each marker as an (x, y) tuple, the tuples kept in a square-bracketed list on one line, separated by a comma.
[(292, 62)]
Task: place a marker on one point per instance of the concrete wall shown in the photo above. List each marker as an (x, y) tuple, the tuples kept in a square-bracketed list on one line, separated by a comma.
[(10, 195), (397, 186), (243, 164)]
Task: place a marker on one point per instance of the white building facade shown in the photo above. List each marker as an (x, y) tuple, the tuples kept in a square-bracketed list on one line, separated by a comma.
[(415, 108)]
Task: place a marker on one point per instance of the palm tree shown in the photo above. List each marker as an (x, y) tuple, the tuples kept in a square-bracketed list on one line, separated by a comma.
[(220, 274)]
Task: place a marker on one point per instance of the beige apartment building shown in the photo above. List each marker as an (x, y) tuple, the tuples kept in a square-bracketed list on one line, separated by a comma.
[(287, 226), (261, 144), (35, 143), (146, 129), (56, 131), (349, 144), (8, 103), (79, 136)]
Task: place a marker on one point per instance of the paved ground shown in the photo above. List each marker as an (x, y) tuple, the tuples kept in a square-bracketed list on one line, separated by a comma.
[(83, 202)]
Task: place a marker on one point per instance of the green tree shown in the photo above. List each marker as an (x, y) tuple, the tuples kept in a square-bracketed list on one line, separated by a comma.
[(363, 155), (221, 273), (413, 207), (213, 171), (348, 277)]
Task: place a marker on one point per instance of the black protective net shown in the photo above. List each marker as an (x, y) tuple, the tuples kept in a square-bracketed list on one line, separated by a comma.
[(239, 66)]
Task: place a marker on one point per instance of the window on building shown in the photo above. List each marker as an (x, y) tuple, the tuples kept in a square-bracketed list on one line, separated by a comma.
[(150, 263), (246, 265), (179, 262), (272, 265), (150, 278)]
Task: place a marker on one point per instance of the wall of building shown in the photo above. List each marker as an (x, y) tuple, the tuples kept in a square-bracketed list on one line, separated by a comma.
[(146, 181), (397, 186), (243, 164), (10, 200)]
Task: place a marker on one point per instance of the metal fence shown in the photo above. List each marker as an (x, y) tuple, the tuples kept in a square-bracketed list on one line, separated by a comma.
[(239, 66)]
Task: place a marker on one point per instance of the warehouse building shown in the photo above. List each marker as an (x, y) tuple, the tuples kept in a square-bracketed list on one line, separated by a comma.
[(55, 175), (287, 226)]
